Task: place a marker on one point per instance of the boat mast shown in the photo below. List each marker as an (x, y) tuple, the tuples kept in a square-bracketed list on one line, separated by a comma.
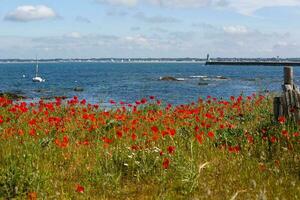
[(36, 68)]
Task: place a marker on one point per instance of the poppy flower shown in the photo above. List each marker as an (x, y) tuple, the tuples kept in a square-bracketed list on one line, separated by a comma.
[(32, 122), (112, 101), (171, 149), (273, 139), (143, 100), (281, 120), (79, 188), (285, 133), (154, 129), (211, 134), (32, 196), (172, 132), (83, 102), (250, 139), (199, 138), (166, 163), (32, 132), (119, 134), (133, 136)]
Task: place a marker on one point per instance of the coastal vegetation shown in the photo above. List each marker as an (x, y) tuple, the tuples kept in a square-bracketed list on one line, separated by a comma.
[(209, 149)]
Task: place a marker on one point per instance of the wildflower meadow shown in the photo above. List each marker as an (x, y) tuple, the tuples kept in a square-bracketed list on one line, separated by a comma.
[(209, 149)]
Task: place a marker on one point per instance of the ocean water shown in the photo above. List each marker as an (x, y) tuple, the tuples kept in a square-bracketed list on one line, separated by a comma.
[(132, 81)]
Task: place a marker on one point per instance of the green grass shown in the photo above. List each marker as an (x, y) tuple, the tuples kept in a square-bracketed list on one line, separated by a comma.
[(131, 165)]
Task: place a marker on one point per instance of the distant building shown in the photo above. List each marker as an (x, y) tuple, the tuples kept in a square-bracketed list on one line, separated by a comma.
[(207, 57)]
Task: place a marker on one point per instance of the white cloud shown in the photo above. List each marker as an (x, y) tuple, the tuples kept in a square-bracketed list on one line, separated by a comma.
[(246, 7), (155, 19), (182, 3), (120, 2), (138, 40), (235, 29), (74, 35), (167, 3), (229, 41), (30, 13)]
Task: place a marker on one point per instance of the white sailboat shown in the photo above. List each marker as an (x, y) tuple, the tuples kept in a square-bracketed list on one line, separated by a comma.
[(37, 78)]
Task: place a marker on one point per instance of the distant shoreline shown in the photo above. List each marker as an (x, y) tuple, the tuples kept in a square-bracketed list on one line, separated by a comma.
[(116, 62), (207, 61)]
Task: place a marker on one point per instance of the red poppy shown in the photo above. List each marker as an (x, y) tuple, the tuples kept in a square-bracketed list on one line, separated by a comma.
[(166, 163), (20, 132), (154, 129), (119, 133), (250, 139), (107, 140), (234, 149), (171, 149), (172, 132), (112, 101), (285, 133), (273, 139), (83, 102), (32, 196), (281, 120), (199, 138), (32, 122), (143, 101), (62, 143), (211, 134), (79, 188), (133, 136), (32, 132)]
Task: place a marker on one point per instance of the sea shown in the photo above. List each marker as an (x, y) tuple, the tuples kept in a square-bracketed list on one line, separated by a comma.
[(129, 82)]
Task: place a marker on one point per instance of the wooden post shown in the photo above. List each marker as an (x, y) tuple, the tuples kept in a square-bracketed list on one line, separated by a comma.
[(288, 76), (288, 104), (277, 108)]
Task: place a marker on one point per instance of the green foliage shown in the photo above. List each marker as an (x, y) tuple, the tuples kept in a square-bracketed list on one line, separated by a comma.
[(215, 150)]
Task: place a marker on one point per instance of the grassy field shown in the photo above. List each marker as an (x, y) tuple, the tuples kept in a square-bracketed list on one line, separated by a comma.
[(210, 149)]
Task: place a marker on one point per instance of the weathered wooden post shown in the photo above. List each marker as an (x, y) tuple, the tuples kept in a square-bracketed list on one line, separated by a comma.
[(288, 75), (288, 105)]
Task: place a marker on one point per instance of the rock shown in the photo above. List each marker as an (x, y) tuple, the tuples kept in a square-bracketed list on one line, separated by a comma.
[(221, 77), (78, 89), (12, 96), (202, 83), (250, 79), (38, 90), (168, 78)]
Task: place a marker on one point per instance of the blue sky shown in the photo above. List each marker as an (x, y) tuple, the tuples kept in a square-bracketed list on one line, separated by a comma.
[(149, 28)]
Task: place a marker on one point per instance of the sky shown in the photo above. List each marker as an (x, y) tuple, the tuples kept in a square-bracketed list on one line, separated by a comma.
[(149, 28)]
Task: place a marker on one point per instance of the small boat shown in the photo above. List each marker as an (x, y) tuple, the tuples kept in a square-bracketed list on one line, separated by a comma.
[(37, 78)]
